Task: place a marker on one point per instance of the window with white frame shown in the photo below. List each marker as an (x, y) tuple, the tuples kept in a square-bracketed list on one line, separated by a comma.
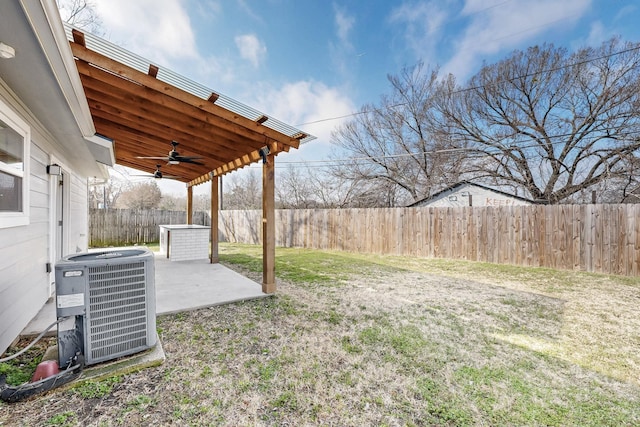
[(14, 177)]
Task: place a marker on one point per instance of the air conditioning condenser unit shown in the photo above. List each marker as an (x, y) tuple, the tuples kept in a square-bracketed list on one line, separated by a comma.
[(109, 299)]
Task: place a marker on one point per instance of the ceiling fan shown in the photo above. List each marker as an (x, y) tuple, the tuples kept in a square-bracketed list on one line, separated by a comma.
[(175, 158), (158, 174)]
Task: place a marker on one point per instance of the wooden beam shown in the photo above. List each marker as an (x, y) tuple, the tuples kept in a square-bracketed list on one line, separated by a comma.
[(149, 82), (78, 37), (139, 111), (245, 160), (157, 138), (144, 142), (189, 205), (128, 146), (268, 226), (153, 70), (214, 219), (131, 100)]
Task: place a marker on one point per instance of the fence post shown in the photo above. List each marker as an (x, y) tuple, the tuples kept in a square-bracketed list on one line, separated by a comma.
[(596, 238)]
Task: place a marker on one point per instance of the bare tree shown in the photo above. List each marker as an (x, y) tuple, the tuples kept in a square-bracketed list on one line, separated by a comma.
[(393, 145), (243, 191), (201, 202), (105, 194), (294, 189), (368, 194), (172, 202), (322, 187), (309, 187), (545, 120), (333, 190), (617, 189), (142, 195), (80, 13)]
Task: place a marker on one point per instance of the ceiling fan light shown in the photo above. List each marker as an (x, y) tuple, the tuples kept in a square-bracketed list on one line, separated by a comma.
[(6, 51), (174, 162)]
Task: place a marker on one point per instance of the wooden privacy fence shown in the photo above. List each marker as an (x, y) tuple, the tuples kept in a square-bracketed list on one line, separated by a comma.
[(116, 227), (596, 238)]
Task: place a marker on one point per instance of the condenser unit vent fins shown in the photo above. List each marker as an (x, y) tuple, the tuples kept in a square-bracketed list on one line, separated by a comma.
[(117, 311)]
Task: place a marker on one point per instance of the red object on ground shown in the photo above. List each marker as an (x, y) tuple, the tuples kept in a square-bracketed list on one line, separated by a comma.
[(45, 369)]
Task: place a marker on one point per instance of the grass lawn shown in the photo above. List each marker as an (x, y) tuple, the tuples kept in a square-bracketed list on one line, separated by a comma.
[(353, 340)]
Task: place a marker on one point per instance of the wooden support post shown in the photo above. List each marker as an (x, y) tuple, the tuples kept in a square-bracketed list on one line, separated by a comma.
[(268, 226), (214, 219), (190, 205)]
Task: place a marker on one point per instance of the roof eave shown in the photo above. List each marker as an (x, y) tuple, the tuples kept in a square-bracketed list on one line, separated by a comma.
[(48, 29)]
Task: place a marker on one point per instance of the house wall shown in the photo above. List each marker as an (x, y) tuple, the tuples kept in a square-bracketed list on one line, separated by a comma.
[(25, 284), (459, 196), (23, 257), (78, 229)]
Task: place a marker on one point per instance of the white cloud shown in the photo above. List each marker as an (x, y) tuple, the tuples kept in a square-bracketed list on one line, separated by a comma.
[(342, 51), (210, 9), (597, 34), (423, 27), (625, 12), (507, 26), (344, 24), (250, 12), (251, 48), (158, 29), (303, 102)]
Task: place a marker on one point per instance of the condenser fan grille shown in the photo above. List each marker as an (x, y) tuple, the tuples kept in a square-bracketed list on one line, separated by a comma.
[(116, 317)]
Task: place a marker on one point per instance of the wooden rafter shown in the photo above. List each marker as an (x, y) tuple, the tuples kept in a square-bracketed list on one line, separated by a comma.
[(143, 115)]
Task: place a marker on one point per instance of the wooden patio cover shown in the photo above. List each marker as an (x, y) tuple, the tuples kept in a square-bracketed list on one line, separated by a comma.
[(143, 114)]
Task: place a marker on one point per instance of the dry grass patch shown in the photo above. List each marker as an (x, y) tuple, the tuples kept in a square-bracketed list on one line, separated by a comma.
[(351, 340)]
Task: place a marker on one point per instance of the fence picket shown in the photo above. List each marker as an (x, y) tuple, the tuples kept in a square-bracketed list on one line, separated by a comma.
[(597, 238)]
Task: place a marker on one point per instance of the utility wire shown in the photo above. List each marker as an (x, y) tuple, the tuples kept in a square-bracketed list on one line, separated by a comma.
[(470, 88), (480, 153)]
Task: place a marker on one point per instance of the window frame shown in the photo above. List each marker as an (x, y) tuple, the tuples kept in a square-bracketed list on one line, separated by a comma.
[(13, 121)]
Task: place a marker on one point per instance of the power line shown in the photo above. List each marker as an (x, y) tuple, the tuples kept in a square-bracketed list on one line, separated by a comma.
[(479, 153), (470, 88)]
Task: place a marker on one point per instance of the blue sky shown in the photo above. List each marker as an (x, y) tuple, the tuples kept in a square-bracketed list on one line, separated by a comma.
[(304, 61)]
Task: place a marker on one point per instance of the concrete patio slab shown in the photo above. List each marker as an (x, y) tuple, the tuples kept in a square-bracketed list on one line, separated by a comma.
[(180, 286), (189, 285)]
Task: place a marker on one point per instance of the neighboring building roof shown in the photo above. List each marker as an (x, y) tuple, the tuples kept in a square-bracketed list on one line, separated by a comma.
[(461, 184)]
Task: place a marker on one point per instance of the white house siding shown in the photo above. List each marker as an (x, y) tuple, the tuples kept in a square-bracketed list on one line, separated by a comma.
[(459, 196), (78, 229), (24, 281), (25, 250), (42, 96)]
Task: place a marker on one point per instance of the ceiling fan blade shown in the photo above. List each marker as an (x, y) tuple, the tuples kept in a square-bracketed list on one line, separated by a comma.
[(157, 177), (186, 158), (165, 158), (174, 157), (189, 160), (190, 157)]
